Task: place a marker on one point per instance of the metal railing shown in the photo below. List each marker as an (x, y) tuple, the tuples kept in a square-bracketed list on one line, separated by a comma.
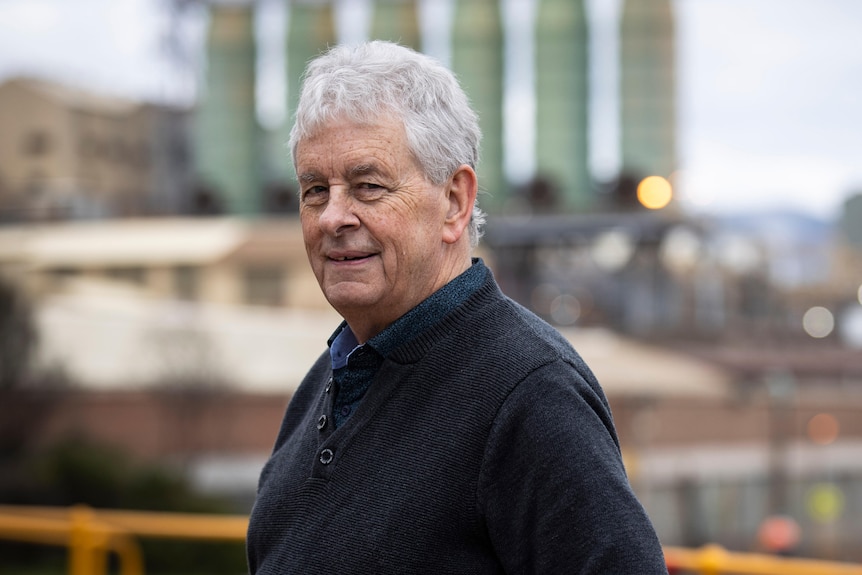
[(92, 535), (715, 560)]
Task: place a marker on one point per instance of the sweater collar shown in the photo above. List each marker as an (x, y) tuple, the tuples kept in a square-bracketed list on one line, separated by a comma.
[(405, 329)]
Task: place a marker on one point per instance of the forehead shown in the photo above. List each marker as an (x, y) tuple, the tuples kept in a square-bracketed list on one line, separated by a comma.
[(343, 140)]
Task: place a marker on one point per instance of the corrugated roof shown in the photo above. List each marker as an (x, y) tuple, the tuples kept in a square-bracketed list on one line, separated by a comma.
[(629, 368), (123, 242), (76, 97)]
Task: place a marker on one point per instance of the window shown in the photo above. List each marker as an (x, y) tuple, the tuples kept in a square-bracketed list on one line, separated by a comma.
[(264, 286), (36, 143), (57, 277), (132, 275), (186, 280)]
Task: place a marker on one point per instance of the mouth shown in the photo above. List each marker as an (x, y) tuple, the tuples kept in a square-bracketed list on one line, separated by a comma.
[(352, 257), (345, 259)]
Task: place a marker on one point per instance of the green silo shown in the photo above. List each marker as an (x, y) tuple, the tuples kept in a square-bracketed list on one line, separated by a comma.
[(648, 88), (226, 126), (562, 90), (477, 60), (396, 21), (311, 30)]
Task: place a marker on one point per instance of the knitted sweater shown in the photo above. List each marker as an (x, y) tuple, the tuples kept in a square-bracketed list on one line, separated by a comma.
[(484, 445)]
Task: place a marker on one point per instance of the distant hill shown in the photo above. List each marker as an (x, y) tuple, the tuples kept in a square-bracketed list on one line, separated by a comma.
[(798, 244), (780, 226)]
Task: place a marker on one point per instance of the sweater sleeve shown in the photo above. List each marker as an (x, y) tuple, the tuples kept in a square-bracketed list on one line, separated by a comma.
[(553, 490)]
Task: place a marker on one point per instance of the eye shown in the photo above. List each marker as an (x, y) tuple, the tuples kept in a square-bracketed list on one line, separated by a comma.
[(369, 191), (315, 195)]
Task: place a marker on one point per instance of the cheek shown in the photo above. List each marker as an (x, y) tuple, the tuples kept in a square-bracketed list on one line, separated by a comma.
[(308, 223)]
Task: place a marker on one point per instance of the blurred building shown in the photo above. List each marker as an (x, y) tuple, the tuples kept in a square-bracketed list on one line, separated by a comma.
[(125, 304), (310, 30), (221, 261), (648, 88), (477, 60), (396, 21), (227, 134), (69, 154), (562, 104)]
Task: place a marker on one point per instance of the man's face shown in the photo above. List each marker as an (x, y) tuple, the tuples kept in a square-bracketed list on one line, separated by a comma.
[(372, 224)]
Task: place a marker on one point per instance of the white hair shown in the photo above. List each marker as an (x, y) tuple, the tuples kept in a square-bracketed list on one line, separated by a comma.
[(375, 79)]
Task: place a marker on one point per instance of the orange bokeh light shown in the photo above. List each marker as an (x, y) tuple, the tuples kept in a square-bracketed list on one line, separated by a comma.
[(823, 428), (654, 192)]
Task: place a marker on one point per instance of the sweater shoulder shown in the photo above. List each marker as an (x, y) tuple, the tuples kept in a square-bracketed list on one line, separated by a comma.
[(531, 340)]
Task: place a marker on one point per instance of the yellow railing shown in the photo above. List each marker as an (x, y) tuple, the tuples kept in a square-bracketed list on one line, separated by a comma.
[(715, 560), (91, 535)]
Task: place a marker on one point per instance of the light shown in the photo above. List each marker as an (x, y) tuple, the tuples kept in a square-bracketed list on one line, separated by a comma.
[(850, 327), (825, 502), (738, 254), (823, 428), (859, 294), (681, 249), (542, 297), (779, 533), (612, 250), (565, 309), (818, 322), (654, 192)]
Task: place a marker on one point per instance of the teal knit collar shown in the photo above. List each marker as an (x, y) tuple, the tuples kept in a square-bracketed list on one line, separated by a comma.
[(411, 324)]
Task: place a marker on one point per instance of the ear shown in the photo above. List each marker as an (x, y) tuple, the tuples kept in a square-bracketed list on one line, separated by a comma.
[(460, 196)]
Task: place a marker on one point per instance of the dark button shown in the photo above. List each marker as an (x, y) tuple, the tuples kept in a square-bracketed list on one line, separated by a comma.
[(326, 456), (328, 387), (345, 411), (321, 422)]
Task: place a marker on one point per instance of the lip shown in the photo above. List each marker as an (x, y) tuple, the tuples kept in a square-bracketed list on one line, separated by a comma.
[(349, 256)]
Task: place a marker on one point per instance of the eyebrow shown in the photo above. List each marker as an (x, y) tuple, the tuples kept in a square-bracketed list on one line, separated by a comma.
[(308, 177), (363, 170)]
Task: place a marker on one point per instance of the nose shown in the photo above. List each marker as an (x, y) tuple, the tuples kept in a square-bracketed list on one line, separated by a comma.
[(338, 214)]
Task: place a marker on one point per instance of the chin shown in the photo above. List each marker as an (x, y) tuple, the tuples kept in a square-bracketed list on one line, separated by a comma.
[(350, 298)]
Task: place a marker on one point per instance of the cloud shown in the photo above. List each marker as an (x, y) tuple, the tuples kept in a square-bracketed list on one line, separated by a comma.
[(728, 179), (29, 18)]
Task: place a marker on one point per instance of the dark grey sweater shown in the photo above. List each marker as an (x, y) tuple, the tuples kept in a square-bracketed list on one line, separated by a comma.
[(484, 445)]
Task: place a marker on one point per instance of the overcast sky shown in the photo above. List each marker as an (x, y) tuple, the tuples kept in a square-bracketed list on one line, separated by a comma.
[(770, 91)]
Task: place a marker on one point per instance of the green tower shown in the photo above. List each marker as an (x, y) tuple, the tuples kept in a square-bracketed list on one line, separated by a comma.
[(396, 21), (226, 124), (562, 88), (477, 60), (648, 88), (311, 31)]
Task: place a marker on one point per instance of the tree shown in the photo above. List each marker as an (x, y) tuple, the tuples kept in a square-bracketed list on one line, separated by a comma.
[(18, 336)]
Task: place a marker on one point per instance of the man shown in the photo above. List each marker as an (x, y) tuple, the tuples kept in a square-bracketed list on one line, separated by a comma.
[(446, 429)]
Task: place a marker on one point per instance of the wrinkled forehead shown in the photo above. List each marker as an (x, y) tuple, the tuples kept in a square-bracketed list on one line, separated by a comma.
[(311, 123), (386, 125), (355, 145)]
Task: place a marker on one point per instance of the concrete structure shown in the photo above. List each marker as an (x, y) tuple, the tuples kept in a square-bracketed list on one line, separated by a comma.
[(69, 154), (396, 21), (648, 88), (477, 60), (227, 132), (562, 90), (131, 303), (311, 30), (220, 261)]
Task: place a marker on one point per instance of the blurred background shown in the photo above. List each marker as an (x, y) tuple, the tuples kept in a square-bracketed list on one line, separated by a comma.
[(675, 184)]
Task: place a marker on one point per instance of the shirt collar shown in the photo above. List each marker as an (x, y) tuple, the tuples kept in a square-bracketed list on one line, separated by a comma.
[(404, 329)]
